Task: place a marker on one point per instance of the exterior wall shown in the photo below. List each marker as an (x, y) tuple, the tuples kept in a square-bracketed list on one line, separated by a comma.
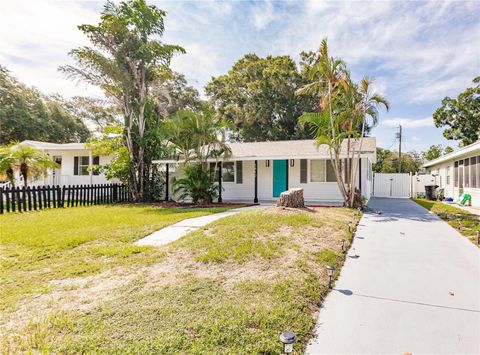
[(450, 189), (313, 191), (66, 176)]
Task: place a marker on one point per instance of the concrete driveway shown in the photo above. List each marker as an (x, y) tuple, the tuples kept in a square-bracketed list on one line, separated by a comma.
[(414, 288)]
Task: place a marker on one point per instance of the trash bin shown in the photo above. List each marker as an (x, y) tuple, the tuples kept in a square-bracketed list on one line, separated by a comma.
[(430, 192)]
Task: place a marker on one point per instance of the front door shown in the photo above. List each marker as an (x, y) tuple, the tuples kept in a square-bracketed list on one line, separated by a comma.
[(279, 177)]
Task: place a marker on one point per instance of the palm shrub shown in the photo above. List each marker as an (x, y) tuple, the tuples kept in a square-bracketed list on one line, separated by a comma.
[(197, 184), (30, 162)]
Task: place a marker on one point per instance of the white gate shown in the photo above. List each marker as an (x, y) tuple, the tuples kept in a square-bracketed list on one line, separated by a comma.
[(392, 185)]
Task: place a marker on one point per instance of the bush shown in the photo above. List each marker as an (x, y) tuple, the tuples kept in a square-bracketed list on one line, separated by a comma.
[(197, 183)]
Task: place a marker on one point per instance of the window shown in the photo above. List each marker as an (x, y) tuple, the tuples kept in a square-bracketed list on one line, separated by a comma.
[(317, 170), (331, 172), (466, 173), (239, 172), (478, 171), (214, 173), (81, 165), (303, 171), (448, 175), (455, 174), (228, 172), (474, 167), (96, 166), (460, 174)]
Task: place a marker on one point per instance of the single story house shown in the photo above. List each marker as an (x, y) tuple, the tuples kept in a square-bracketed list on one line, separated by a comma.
[(458, 172), (73, 160), (260, 171)]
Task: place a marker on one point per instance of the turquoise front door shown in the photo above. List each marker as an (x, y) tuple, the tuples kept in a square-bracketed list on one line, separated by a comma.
[(279, 177)]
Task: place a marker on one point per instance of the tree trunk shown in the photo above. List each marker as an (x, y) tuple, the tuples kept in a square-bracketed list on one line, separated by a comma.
[(292, 198)]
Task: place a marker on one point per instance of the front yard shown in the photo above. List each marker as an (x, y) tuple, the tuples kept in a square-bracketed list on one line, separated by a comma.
[(72, 281), (466, 223)]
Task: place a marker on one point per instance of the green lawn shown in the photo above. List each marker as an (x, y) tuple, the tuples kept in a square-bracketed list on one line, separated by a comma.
[(38, 247), (466, 223), (231, 287)]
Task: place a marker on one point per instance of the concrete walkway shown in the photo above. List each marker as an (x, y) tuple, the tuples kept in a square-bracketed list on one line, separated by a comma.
[(414, 288), (179, 229)]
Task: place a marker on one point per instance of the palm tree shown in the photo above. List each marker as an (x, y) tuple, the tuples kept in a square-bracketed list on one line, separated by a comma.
[(198, 137), (30, 162), (341, 115), (7, 165), (327, 75)]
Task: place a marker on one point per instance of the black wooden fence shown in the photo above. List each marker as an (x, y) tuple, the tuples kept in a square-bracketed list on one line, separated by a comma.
[(40, 197)]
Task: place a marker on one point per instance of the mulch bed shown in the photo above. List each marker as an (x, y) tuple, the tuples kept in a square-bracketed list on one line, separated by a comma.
[(174, 204)]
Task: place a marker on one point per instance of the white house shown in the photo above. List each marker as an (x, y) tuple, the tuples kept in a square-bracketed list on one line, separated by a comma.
[(458, 172), (74, 160), (260, 171)]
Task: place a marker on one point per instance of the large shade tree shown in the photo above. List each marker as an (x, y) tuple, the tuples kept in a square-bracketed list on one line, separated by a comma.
[(257, 95), (461, 115), (27, 114), (130, 63)]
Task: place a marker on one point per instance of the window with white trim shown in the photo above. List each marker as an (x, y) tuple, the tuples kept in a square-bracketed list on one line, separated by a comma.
[(228, 171), (317, 170), (81, 165)]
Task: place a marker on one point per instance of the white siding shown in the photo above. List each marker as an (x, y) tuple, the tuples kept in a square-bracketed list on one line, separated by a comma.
[(313, 191), (450, 190), (67, 176)]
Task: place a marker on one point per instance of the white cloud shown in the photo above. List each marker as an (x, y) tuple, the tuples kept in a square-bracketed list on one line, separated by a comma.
[(262, 15), (409, 122), (36, 38)]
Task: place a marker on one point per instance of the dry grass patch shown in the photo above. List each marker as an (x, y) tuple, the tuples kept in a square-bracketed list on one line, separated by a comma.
[(230, 287)]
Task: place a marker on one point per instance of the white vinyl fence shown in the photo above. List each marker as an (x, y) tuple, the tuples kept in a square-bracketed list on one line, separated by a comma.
[(392, 185)]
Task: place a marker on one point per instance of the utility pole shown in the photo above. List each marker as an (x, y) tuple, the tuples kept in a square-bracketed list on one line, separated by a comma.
[(399, 136)]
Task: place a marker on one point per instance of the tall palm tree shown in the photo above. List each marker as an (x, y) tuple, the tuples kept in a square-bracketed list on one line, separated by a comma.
[(327, 75)]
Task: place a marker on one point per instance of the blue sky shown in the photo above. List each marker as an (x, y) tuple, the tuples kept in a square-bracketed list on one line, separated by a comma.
[(419, 52)]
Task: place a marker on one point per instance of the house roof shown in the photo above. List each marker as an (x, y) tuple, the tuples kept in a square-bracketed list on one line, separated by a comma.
[(55, 146), (294, 149), (468, 150)]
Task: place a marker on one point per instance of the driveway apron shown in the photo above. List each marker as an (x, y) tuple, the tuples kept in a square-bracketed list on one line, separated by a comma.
[(410, 284)]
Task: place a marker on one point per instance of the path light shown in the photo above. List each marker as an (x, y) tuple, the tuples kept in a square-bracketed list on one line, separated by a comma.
[(350, 227), (288, 339), (344, 249), (330, 270), (478, 237)]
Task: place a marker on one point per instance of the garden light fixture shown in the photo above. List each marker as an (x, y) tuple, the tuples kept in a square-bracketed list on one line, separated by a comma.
[(288, 339), (344, 249), (330, 271), (478, 237)]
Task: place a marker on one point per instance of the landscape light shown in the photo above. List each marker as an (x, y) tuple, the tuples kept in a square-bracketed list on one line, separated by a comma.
[(288, 339), (330, 270), (350, 227), (478, 237), (344, 249)]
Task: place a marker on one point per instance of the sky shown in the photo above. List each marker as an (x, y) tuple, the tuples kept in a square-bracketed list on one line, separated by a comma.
[(417, 51)]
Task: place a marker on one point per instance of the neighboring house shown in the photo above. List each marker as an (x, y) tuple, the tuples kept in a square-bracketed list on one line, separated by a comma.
[(74, 160), (458, 172), (262, 170)]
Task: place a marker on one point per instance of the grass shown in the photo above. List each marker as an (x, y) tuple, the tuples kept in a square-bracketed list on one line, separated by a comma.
[(466, 223), (230, 287), (38, 247)]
